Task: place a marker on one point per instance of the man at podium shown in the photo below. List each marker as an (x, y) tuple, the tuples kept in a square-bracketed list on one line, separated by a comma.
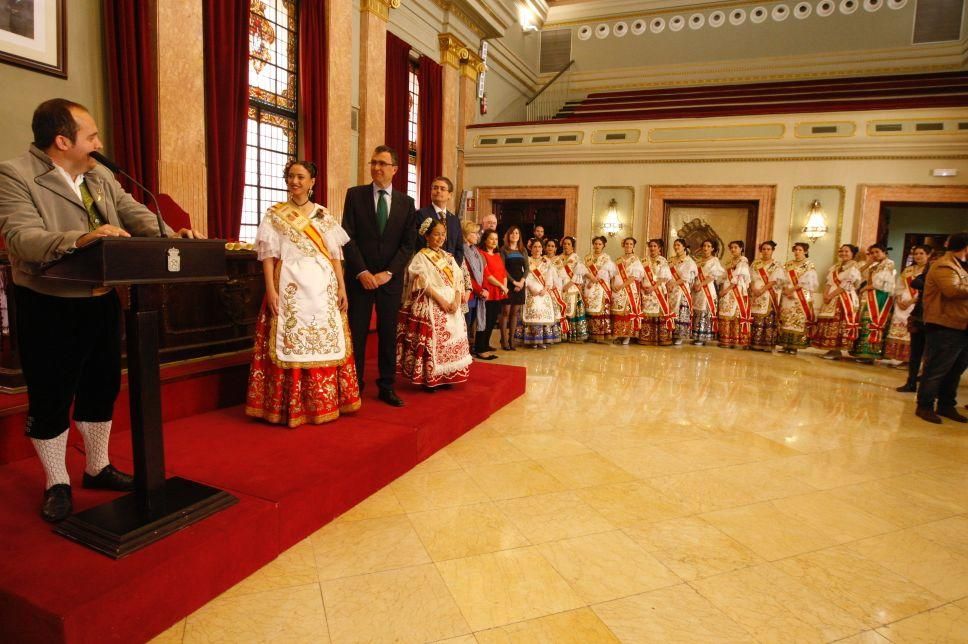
[(55, 199)]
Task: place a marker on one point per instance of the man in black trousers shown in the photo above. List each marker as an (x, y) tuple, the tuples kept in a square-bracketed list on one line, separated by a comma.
[(440, 191), (381, 224)]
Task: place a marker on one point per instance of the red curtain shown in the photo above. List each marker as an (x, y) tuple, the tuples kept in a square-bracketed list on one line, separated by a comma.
[(226, 53), (430, 78), (312, 87), (133, 89), (398, 104)]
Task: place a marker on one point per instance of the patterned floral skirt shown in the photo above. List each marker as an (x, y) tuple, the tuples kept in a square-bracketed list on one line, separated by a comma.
[(600, 326), (703, 328), (578, 324), (863, 348), (296, 396), (830, 333), (683, 330), (899, 350), (432, 348), (732, 334), (763, 333), (533, 335), (624, 325), (655, 332)]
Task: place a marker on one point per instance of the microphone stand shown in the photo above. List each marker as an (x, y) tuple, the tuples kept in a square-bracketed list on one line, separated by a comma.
[(113, 167)]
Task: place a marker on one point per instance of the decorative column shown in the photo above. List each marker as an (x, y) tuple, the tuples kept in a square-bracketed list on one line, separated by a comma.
[(339, 31), (374, 15), (181, 108), (452, 54), (470, 70)]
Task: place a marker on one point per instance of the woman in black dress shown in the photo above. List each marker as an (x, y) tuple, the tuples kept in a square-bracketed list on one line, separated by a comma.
[(516, 262)]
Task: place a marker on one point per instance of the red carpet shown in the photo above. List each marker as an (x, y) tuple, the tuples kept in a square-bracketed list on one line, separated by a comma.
[(289, 482)]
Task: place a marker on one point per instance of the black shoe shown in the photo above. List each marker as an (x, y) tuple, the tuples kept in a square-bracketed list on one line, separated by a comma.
[(428, 389), (927, 414), (390, 397), (57, 503), (109, 479), (490, 348), (951, 413), (907, 388), (490, 357)]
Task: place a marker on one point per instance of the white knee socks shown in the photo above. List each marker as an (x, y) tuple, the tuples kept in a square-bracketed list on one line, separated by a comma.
[(53, 455), (96, 437)]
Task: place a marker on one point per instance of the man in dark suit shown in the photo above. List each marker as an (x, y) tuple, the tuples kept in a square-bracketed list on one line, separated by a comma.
[(440, 192), (381, 224)]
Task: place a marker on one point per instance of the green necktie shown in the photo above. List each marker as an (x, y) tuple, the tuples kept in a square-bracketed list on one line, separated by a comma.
[(382, 211), (93, 218)]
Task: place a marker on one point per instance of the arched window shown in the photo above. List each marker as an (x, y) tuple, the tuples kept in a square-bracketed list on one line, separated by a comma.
[(413, 134)]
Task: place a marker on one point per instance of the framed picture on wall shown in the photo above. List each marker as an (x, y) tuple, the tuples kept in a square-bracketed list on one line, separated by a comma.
[(33, 35)]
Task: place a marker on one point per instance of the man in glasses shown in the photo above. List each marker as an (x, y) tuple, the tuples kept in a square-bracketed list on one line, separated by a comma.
[(382, 225)]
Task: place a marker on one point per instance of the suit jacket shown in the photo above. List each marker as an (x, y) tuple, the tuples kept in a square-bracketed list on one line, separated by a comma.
[(455, 236), (367, 249), (41, 217)]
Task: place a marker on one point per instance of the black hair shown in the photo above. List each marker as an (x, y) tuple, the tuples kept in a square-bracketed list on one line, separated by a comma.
[(53, 118), (682, 241), (740, 243), (957, 242), (450, 184), (309, 165), (634, 240), (927, 249), (770, 243), (603, 238), (487, 232), (878, 246), (569, 238), (380, 149), (853, 249), (658, 242), (713, 243), (805, 246)]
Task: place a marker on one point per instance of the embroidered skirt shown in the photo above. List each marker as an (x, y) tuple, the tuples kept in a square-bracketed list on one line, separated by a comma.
[(683, 330), (732, 334), (763, 331), (655, 332), (863, 347), (830, 332), (703, 326), (577, 324)]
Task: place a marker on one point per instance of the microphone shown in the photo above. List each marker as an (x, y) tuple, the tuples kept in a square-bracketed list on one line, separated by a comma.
[(113, 167)]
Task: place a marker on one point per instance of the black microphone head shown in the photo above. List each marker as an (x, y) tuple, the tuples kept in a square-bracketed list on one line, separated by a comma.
[(106, 162)]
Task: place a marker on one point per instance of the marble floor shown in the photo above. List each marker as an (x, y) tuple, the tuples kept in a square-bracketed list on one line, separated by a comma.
[(645, 495)]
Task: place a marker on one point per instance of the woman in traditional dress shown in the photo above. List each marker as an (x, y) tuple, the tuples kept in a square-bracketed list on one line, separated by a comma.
[(899, 337), (876, 301), (302, 364), (496, 284), (799, 280), (764, 298), (539, 315), (626, 294), (704, 297), (515, 257), (432, 346), (556, 265), (598, 291), (658, 316), (683, 270), (572, 275), (836, 326), (734, 304)]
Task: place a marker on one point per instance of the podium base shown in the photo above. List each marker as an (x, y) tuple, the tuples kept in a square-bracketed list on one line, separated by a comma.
[(121, 527)]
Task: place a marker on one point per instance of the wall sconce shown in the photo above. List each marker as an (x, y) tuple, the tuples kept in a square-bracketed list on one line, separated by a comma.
[(816, 222), (526, 19), (611, 225)]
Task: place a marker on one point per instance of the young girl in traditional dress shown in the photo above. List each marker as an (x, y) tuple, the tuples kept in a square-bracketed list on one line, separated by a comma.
[(658, 316), (598, 291), (539, 315), (704, 298), (876, 302), (764, 298), (799, 280), (572, 275), (836, 325), (626, 297), (683, 270), (734, 304), (302, 364), (432, 349), (898, 346)]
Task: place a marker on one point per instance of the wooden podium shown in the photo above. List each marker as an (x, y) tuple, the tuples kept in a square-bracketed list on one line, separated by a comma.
[(158, 506)]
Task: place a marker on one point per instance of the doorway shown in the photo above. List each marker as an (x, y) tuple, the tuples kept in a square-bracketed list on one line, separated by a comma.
[(901, 225), (528, 213)]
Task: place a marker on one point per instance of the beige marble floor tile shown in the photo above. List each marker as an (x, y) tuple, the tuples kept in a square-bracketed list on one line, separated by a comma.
[(460, 639), (358, 547), (405, 605), (514, 480), (470, 452), (891, 501), (825, 513), (382, 503), (281, 615), (936, 486), (692, 548), (585, 470), (418, 491), (670, 615), (825, 470), (646, 461), (926, 563), (548, 517), (571, 627), (947, 624), (761, 480), (171, 635), (707, 490), (867, 637), (451, 533), (860, 586), (440, 461), (625, 504), (775, 607), (547, 444), (504, 587), (767, 531), (951, 533), (606, 566), (294, 567)]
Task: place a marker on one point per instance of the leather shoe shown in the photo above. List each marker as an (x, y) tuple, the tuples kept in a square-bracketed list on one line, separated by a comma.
[(927, 414), (907, 389), (952, 414), (390, 397), (109, 479), (57, 503)]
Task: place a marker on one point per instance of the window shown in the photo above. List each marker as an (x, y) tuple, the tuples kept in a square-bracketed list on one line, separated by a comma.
[(413, 187), (271, 135)]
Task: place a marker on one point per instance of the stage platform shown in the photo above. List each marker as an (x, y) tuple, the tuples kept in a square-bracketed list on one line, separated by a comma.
[(289, 483)]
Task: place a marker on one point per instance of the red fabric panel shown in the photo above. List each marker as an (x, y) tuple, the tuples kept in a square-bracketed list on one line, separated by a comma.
[(431, 78), (133, 91), (397, 105), (312, 87), (226, 54)]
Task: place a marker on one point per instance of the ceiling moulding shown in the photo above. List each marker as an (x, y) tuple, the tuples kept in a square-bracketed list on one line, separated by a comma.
[(561, 15), (486, 18)]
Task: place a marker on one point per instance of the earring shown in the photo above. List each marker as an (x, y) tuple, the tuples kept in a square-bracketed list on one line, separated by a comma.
[(310, 193)]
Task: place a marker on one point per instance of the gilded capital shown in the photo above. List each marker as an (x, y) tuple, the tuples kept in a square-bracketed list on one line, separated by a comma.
[(379, 8), (473, 66), (452, 51)]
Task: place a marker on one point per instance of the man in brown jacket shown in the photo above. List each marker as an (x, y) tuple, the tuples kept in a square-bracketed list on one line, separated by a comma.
[(946, 324)]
